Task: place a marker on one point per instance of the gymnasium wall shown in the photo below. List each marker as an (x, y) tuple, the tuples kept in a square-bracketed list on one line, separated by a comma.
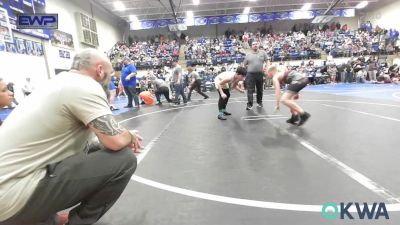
[(109, 28), (16, 67), (385, 16)]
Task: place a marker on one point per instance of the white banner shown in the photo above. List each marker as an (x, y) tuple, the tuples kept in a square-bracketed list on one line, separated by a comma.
[(5, 28)]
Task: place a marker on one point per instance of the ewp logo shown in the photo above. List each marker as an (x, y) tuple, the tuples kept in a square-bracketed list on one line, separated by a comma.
[(330, 211), (37, 21)]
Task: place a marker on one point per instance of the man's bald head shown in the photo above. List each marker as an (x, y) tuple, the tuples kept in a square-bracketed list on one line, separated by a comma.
[(87, 58), (95, 64)]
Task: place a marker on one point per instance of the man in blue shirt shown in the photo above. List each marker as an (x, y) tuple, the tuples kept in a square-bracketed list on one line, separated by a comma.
[(128, 78)]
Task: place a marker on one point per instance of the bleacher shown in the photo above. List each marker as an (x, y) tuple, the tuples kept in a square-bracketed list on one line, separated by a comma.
[(213, 53), (280, 47), (146, 55)]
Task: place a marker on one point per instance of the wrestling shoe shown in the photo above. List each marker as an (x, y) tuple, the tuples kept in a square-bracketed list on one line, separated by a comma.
[(293, 120), (248, 107), (304, 118), (221, 117)]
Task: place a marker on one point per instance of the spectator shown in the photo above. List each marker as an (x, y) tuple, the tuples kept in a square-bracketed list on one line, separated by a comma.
[(342, 72), (128, 78), (349, 72), (27, 88), (113, 92), (10, 87), (46, 167), (332, 70), (360, 76), (372, 69), (121, 91), (6, 97)]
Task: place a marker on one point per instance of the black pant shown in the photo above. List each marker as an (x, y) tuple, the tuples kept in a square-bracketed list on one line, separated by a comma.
[(349, 77), (196, 85), (223, 102), (94, 181), (162, 91), (132, 95), (254, 81)]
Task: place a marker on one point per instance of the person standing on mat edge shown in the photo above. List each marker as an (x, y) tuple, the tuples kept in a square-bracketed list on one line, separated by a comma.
[(10, 87), (195, 83), (177, 81), (223, 82), (28, 87), (296, 82), (254, 62), (51, 167), (128, 78), (6, 96), (113, 92)]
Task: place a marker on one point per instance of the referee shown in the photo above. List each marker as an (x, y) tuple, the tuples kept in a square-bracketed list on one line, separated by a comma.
[(254, 62)]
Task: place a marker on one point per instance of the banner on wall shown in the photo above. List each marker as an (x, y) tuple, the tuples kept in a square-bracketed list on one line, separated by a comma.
[(241, 18), (5, 27), (2, 46), (62, 39), (10, 47), (64, 54), (15, 7), (22, 46), (299, 15), (29, 47), (38, 49)]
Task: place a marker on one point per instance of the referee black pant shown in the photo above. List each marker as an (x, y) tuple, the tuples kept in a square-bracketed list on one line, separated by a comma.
[(254, 81)]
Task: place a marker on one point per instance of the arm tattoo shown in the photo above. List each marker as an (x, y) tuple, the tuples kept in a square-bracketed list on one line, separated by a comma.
[(107, 125)]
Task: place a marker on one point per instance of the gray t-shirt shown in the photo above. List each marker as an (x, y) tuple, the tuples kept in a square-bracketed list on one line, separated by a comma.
[(175, 74), (194, 76), (48, 127), (255, 61), (159, 83)]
